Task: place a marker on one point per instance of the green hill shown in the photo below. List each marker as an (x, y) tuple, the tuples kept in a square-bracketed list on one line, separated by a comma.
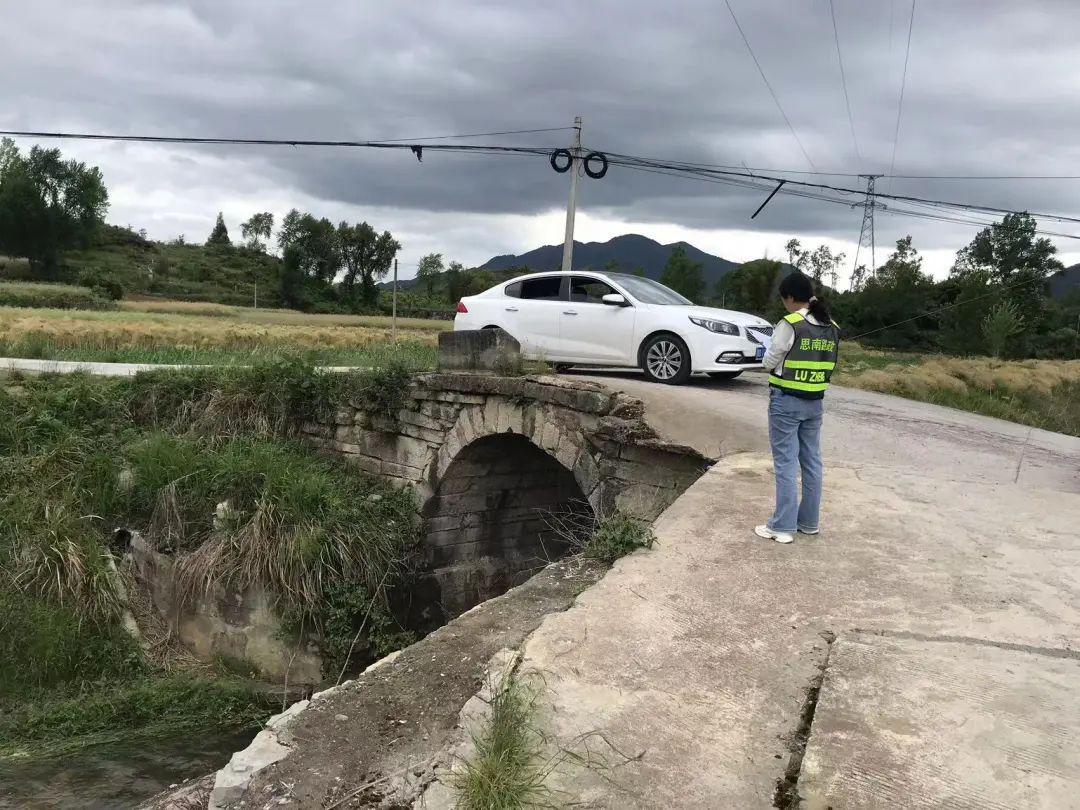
[(226, 275)]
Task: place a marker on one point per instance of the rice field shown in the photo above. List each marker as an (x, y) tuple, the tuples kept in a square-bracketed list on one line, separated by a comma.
[(181, 332)]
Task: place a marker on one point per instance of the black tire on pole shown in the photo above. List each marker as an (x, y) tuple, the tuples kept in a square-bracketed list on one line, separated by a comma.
[(596, 174), (565, 154)]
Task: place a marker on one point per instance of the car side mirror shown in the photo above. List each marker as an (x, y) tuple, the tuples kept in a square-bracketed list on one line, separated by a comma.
[(615, 300)]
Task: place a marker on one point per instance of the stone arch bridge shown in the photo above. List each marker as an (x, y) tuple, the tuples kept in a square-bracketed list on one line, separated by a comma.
[(488, 457)]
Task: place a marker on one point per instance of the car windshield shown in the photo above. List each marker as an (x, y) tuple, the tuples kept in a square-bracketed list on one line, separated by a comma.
[(648, 291)]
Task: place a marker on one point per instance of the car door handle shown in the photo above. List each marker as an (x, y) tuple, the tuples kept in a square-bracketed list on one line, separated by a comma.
[(511, 309), (569, 312)]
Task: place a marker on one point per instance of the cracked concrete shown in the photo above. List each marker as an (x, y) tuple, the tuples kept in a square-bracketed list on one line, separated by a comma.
[(701, 651)]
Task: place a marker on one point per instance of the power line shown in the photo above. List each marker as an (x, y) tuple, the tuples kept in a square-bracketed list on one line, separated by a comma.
[(843, 79), (474, 135), (406, 143), (618, 159), (747, 178), (177, 139), (772, 92), (903, 84)]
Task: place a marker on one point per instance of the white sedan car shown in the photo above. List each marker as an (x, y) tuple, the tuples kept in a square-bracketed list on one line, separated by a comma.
[(610, 319)]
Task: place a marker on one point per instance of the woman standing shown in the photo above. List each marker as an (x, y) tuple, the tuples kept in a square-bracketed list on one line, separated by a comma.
[(800, 362)]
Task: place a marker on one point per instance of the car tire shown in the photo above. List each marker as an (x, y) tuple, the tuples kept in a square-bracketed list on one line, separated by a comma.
[(561, 368), (666, 359), (724, 375)]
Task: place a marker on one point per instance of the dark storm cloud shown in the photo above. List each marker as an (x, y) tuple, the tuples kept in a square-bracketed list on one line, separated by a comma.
[(991, 89)]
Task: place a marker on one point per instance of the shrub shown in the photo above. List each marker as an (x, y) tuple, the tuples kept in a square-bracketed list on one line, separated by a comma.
[(1000, 326), (51, 296), (606, 537)]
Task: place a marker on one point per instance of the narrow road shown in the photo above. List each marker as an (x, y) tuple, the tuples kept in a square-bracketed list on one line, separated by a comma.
[(922, 651)]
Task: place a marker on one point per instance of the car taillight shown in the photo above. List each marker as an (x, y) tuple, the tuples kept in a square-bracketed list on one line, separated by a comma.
[(462, 308)]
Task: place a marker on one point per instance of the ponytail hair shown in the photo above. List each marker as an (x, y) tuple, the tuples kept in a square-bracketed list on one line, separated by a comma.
[(801, 288)]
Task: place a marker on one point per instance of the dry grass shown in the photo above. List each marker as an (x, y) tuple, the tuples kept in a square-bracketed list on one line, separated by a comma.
[(121, 329), (285, 317), (247, 336), (1039, 393)]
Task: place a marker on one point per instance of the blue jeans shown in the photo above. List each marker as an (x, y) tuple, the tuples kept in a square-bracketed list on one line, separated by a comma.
[(795, 436)]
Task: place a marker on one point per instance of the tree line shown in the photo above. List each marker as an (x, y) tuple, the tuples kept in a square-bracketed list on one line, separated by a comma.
[(994, 301)]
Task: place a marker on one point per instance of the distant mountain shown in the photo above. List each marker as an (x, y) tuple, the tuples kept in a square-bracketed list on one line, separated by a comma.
[(629, 252), (1065, 281)]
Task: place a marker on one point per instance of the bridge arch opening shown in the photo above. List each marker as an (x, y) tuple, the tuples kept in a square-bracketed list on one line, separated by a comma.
[(484, 528)]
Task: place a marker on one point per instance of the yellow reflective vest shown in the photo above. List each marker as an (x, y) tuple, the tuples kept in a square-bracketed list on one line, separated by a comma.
[(809, 363)]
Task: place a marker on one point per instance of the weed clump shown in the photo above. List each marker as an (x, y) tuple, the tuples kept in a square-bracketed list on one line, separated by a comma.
[(508, 769), (606, 536)]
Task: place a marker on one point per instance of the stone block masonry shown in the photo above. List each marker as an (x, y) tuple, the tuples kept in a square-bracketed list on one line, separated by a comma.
[(489, 456), (492, 350)]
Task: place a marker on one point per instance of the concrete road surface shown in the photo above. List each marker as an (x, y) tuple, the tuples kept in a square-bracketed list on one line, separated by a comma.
[(922, 652)]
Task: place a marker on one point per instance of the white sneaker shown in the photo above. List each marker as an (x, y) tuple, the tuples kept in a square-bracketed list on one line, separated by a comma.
[(810, 532), (769, 534)]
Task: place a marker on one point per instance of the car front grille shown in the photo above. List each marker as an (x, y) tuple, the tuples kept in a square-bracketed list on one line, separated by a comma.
[(765, 331)]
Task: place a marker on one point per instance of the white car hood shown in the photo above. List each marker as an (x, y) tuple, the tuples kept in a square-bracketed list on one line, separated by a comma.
[(727, 315)]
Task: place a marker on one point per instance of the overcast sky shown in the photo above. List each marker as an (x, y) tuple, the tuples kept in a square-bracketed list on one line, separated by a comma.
[(991, 89)]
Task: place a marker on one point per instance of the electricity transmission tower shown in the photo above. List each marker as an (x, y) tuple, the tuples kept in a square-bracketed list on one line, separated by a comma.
[(866, 234)]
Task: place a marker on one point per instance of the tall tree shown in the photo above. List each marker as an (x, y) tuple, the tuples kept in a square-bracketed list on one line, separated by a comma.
[(684, 276), (796, 255), (367, 257), (823, 263), (428, 270), (890, 299), (259, 227), (1015, 259), (316, 243), (456, 282), (47, 205), (752, 287), (220, 235)]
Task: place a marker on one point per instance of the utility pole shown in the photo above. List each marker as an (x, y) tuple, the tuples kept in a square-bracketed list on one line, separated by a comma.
[(256, 293), (571, 207), (393, 320), (866, 234)]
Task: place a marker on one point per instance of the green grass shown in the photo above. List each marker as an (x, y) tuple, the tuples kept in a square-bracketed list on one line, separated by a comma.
[(80, 455), (143, 707), (55, 296), (415, 355), (224, 275), (617, 535), (508, 769)]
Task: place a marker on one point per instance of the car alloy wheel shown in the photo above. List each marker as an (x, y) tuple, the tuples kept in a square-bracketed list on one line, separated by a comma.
[(664, 359)]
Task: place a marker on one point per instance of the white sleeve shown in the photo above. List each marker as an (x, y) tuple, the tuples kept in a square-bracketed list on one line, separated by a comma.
[(782, 340)]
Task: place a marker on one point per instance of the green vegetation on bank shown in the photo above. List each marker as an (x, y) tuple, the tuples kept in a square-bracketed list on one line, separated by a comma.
[(143, 706), (54, 296), (80, 456)]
